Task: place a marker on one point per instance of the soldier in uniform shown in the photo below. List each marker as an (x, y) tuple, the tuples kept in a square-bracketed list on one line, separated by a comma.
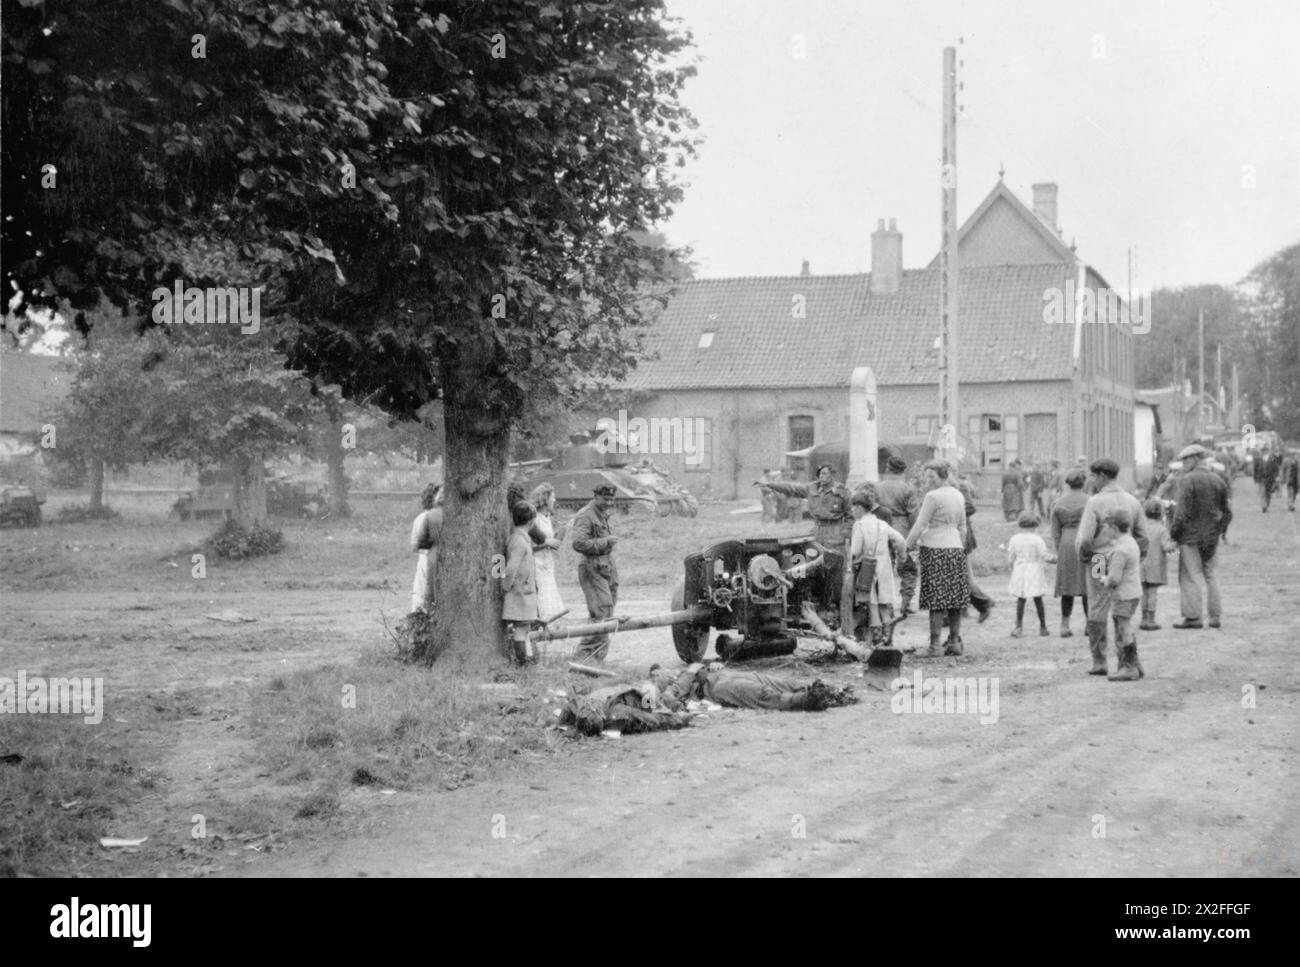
[(597, 574), (898, 506), (828, 502)]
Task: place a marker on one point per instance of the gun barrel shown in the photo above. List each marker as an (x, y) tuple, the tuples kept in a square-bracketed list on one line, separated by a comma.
[(696, 615)]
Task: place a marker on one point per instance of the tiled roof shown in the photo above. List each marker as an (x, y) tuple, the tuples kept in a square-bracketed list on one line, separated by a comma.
[(757, 343), (30, 384)]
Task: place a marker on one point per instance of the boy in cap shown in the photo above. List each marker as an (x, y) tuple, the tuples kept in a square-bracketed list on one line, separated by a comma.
[(1093, 542), (1122, 581)]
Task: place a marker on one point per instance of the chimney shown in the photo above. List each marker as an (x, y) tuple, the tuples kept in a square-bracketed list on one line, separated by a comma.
[(805, 270), (886, 258), (1045, 204)]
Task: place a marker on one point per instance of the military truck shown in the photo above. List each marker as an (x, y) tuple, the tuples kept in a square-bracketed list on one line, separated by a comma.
[(215, 496), (20, 504), (290, 497), (285, 497)]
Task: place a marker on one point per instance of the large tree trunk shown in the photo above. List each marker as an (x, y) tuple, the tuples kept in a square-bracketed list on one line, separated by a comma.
[(96, 485), (467, 597), (250, 491), (334, 456)]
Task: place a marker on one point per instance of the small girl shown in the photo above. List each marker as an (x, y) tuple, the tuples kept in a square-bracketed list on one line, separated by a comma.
[(1154, 569), (1028, 557)]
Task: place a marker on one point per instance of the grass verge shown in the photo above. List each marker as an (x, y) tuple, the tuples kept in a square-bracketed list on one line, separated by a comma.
[(390, 725), (60, 797)]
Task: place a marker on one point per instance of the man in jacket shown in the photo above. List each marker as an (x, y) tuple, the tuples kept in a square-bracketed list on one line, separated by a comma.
[(597, 574), (1201, 518), (897, 507), (1291, 477), (1267, 467), (1092, 548)]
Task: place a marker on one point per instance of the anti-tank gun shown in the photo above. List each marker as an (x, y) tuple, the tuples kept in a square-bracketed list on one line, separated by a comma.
[(761, 594)]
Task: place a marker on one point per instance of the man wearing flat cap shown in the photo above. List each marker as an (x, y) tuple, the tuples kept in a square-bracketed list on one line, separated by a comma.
[(597, 574), (1201, 518), (1094, 546)]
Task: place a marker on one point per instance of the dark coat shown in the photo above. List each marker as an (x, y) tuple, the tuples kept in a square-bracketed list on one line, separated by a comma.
[(1204, 510)]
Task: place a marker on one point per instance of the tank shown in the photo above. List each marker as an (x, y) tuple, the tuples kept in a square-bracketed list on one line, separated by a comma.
[(577, 469)]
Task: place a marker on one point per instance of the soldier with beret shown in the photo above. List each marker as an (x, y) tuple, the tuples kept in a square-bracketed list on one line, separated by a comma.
[(594, 540), (828, 503)]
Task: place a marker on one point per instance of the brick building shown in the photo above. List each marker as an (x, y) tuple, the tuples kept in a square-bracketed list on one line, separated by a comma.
[(761, 366)]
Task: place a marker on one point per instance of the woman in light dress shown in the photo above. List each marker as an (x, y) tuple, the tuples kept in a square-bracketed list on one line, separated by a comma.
[(874, 548), (426, 532), (1028, 557), (546, 554)]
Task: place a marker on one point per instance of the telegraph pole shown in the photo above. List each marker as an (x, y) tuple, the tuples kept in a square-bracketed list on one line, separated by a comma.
[(949, 405), (1200, 349), (1219, 393)]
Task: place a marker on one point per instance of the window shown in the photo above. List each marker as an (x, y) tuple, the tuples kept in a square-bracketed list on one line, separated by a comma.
[(801, 433), (993, 440), (925, 426), (1011, 437), (706, 338)]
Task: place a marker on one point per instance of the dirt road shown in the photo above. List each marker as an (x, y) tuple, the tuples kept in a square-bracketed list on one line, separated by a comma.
[(1172, 776), (1072, 775)]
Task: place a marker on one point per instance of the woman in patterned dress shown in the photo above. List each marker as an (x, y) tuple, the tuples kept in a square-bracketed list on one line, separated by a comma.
[(940, 531), (546, 553)]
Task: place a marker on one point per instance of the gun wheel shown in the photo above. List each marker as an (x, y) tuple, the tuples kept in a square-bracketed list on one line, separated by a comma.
[(691, 641)]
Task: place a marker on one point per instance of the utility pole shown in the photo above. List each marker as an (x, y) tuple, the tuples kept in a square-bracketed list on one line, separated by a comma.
[(1219, 392), (1200, 363), (949, 405), (1236, 400)]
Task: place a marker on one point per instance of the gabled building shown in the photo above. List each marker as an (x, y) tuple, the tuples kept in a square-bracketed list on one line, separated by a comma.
[(762, 365)]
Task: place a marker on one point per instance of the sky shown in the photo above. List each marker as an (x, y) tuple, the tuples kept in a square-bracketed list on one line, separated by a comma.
[(1170, 128)]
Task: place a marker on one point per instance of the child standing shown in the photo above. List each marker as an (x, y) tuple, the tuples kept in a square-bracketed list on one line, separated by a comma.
[(1123, 585), (1154, 569), (519, 582), (1028, 557)]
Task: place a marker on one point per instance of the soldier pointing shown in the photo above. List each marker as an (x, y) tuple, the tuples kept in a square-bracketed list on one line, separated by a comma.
[(828, 502)]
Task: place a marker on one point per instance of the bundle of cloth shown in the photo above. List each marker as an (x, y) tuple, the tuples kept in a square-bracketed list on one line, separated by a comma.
[(784, 692), (625, 708)]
